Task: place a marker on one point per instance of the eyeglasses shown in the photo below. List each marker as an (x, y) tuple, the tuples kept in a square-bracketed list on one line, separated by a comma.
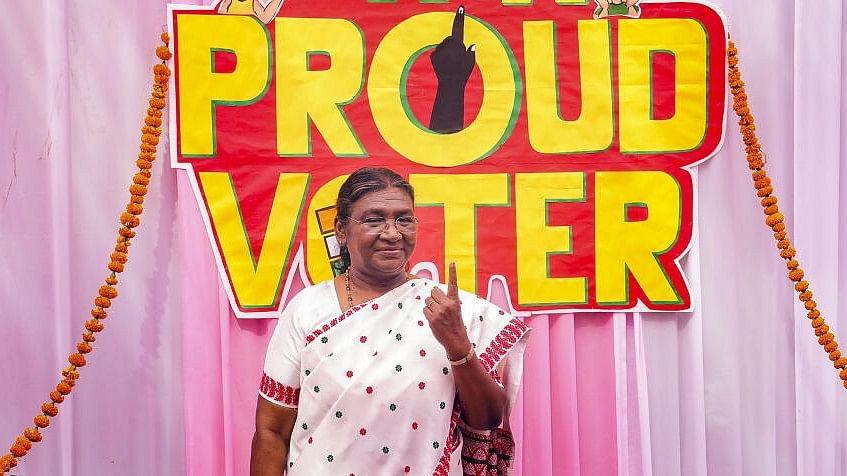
[(406, 224)]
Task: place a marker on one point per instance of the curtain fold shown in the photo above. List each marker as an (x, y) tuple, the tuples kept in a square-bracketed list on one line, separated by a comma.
[(739, 387)]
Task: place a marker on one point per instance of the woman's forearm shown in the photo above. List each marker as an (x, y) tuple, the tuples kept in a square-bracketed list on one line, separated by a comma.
[(482, 400)]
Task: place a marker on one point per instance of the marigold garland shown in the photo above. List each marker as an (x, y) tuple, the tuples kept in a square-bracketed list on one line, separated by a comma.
[(150, 133), (774, 218)]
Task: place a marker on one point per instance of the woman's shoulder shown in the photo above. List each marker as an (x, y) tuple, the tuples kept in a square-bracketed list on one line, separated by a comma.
[(315, 299)]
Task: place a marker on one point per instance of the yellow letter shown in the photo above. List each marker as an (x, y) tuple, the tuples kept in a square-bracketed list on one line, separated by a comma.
[(392, 60), (536, 240), (460, 195), (594, 129), (624, 247), (254, 284), (317, 96), (201, 89), (638, 40)]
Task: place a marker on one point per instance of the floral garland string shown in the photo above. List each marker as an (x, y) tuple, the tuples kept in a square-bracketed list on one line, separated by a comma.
[(775, 219), (129, 219)]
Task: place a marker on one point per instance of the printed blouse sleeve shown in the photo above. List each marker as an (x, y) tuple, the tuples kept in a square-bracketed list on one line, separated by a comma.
[(281, 379)]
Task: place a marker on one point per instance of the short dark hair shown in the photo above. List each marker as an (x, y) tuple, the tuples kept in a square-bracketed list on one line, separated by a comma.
[(359, 184), (365, 181)]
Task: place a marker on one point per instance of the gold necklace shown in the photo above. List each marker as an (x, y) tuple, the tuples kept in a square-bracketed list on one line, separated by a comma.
[(347, 285)]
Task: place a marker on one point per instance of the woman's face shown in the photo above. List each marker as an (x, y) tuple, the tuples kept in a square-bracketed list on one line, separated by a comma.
[(382, 254)]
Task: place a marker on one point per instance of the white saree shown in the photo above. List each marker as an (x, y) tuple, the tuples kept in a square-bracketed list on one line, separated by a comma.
[(373, 388)]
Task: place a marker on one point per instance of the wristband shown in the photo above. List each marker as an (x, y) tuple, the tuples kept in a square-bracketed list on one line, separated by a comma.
[(464, 359)]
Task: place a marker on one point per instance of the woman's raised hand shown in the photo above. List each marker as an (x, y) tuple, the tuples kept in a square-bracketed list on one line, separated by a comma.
[(444, 313)]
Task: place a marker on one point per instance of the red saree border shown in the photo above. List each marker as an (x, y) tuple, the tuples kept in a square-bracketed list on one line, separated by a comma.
[(501, 345), (278, 392), (335, 321)]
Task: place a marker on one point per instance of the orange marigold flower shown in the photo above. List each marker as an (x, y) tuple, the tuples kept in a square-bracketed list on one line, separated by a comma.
[(144, 147), (32, 434), (782, 244), (18, 450), (153, 112), (814, 314), (772, 220), (759, 175), (149, 139), (161, 79), (124, 231), (89, 337), (49, 409), (76, 359), (122, 247), (771, 210), (147, 155), (157, 103), (130, 221), (103, 302), (136, 199), (57, 397), (158, 93), (108, 292), (140, 179), (144, 164), (155, 131), (163, 52), (70, 373), (821, 330), (136, 189), (840, 363), (165, 37), (119, 257), (116, 267), (835, 355), (768, 201), (24, 442), (7, 462), (826, 338), (801, 286), (796, 275), (831, 346), (63, 388), (161, 68), (134, 209), (69, 382), (756, 163), (810, 304), (788, 253), (84, 348), (817, 322), (792, 264), (41, 421), (153, 121), (805, 295), (765, 191), (99, 313), (93, 326)]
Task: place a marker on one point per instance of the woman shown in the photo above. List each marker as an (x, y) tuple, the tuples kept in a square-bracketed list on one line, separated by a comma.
[(379, 372)]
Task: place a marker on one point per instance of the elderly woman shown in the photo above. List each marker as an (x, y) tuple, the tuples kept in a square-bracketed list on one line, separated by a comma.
[(380, 372)]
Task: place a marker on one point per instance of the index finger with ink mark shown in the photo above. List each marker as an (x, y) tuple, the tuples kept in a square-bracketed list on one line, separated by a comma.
[(452, 281)]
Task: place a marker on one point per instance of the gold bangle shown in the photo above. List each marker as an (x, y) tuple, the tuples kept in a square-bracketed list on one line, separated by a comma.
[(464, 359)]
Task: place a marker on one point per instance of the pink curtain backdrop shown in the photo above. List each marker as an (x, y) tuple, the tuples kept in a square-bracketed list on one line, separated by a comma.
[(737, 387)]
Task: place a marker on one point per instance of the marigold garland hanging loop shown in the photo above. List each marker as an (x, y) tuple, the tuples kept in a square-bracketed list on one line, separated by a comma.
[(775, 219), (129, 219)]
